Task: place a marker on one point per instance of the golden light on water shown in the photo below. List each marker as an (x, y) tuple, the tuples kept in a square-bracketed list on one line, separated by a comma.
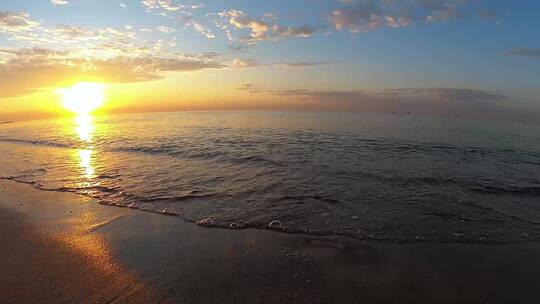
[(83, 98), (85, 161), (85, 128), (85, 156)]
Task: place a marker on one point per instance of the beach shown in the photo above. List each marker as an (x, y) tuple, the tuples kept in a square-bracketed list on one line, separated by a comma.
[(66, 248)]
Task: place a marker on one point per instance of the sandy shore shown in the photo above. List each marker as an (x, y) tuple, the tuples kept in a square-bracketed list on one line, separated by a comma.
[(65, 248)]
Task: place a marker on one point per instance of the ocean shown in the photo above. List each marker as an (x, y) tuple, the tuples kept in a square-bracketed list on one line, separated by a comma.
[(399, 178)]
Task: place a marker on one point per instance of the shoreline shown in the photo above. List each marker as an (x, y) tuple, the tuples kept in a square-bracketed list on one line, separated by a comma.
[(64, 247), (285, 230)]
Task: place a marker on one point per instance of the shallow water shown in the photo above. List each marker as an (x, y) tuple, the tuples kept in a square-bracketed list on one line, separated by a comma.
[(385, 177)]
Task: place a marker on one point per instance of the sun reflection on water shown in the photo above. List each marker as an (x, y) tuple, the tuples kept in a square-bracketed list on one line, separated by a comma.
[(85, 159), (85, 127)]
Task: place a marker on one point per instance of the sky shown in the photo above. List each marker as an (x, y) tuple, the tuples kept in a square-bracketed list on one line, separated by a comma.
[(471, 58)]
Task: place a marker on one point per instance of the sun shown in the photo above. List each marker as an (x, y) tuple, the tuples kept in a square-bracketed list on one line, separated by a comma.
[(83, 98)]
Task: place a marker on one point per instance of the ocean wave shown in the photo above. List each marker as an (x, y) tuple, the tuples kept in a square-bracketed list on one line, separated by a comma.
[(485, 186), (236, 153), (37, 142), (509, 190), (114, 197), (301, 198)]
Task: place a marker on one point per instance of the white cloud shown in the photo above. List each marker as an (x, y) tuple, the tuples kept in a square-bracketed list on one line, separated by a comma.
[(199, 28), (165, 29), (59, 2), (182, 13), (162, 5)]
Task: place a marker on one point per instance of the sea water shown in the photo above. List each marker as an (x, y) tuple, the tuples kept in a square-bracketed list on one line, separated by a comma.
[(368, 176)]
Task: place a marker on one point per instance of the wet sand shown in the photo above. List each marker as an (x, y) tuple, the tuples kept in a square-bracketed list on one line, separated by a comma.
[(65, 248)]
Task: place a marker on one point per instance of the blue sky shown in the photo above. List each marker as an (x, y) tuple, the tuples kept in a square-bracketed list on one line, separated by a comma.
[(324, 47)]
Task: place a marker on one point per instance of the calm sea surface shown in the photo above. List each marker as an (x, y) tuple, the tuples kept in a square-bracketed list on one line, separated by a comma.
[(384, 177)]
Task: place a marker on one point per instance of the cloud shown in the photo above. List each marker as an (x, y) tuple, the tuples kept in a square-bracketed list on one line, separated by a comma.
[(165, 29), (524, 52), (428, 95), (26, 71), (362, 16), (442, 94), (19, 27), (250, 88), (164, 5), (182, 13), (200, 29), (12, 22), (240, 20), (367, 15), (422, 101), (59, 2), (259, 29), (352, 97), (251, 63), (288, 31), (301, 64), (442, 10), (196, 26)]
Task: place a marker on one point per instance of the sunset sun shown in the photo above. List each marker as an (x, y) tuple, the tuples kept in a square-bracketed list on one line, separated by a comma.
[(83, 98)]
